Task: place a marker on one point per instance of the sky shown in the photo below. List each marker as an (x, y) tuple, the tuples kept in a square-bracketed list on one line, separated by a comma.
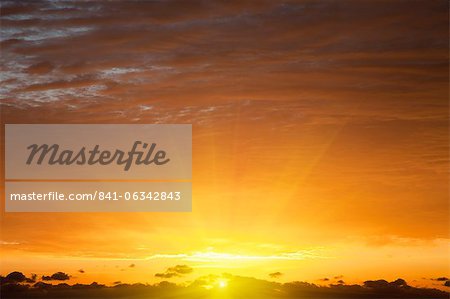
[(320, 135)]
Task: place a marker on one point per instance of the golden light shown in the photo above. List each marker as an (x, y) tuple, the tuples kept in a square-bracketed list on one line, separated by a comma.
[(222, 283)]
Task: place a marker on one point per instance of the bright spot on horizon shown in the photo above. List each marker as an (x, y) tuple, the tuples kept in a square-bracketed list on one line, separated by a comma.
[(222, 283)]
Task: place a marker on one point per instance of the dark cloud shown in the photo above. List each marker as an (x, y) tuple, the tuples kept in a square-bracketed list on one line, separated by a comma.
[(443, 278), (275, 275), (324, 279), (81, 271), (383, 284), (16, 277), (238, 287), (175, 271), (132, 266), (56, 276), (447, 283), (32, 279), (180, 269), (166, 275)]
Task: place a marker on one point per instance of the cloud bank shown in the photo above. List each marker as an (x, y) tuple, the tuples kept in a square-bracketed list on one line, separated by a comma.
[(205, 287)]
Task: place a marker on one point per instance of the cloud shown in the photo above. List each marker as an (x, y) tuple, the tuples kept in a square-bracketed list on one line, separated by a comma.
[(8, 243), (56, 276), (275, 275), (175, 271), (237, 287), (32, 279), (16, 277), (40, 68), (383, 284), (206, 256), (132, 266), (81, 271), (180, 269), (222, 50), (166, 275), (443, 278)]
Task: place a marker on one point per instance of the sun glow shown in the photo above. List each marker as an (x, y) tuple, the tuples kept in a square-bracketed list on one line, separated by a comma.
[(208, 256), (222, 283)]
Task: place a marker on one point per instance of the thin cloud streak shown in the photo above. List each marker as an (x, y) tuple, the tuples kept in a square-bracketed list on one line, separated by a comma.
[(217, 256)]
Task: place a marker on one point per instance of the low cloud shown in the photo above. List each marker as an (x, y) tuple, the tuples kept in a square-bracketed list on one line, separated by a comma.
[(275, 275), (32, 279), (56, 276), (205, 287), (443, 278), (166, 275), (175, 271), (16, 277), (181, 269)]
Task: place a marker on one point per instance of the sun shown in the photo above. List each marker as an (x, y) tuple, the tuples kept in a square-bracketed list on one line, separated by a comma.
[(222, 283)]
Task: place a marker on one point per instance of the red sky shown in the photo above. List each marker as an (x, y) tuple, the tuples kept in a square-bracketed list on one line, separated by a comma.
[(320, 133)]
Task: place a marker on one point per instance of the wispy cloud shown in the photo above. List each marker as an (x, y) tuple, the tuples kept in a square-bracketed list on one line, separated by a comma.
[(212, 256)]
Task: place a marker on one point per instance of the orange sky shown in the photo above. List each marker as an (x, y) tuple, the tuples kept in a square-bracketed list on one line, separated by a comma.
[(320, 135)]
